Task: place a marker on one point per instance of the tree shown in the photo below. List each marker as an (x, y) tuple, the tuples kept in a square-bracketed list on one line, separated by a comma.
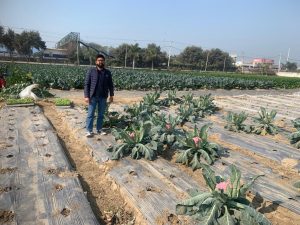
[(152, 52), (192, 56), (264, 69), (8, 40), (290, 66), (1, 35), (134, 52), (88, 54), (26, 41), (120, 54), (217, 58)]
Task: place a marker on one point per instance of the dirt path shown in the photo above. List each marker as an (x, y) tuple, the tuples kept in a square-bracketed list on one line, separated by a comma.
[(107, 204)]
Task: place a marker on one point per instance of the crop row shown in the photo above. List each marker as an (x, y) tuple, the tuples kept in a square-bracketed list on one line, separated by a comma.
[(67, 77)]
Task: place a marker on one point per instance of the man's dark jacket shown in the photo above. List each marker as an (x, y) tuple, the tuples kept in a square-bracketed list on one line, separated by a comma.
[(91, 80)]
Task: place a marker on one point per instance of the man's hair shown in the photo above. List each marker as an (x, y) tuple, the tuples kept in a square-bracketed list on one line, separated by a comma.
[(100, 56)]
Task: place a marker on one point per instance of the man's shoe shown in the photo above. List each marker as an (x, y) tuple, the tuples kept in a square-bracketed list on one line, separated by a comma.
[(101, 132), (89, 134)]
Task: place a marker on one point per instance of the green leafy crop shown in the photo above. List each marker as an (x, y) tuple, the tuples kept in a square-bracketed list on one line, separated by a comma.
[(295, 136), (16, 101), (137, 142), (204, 105), (235, 122), (62, 102), (166, 130), (196, 149), (224, 204), (265, 122)]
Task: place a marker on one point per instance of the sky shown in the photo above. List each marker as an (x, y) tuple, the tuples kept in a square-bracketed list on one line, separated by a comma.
[(249, 29)]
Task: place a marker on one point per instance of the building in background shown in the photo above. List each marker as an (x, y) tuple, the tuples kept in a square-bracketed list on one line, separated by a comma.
[(262, 61), (55, 53), (257, 65)]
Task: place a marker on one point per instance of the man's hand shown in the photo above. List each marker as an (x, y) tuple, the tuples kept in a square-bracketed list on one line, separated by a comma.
[(87, 100), (111, 99)]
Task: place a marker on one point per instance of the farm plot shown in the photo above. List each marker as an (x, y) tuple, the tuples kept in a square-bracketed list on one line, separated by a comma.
[(287, 106), (38, 185), (153, 188)]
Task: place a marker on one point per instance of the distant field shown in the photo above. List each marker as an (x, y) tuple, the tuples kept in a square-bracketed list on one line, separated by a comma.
[(67, 77)]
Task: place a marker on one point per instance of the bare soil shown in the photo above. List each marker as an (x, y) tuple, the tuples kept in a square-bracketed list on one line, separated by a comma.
[(7, 170), (106, 202), (6, 217)]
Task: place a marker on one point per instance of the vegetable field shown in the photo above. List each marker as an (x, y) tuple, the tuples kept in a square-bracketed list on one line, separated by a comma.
[(158, 181), (67, 77), (168, 158)]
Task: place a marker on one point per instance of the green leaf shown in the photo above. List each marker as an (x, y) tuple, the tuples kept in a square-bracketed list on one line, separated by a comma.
[(195, 163), (235, 181), (206, 156), (212, 215), (226, 219), (244, 188), (162, 138), (186, 207), (171, 138), (135, 153), (194, 192), (183, 157), (119, 151), (124, 136), (209, 176), (250, 216), (146, 151), (203, 132), (152, 145), (273, 114), (213, 146)]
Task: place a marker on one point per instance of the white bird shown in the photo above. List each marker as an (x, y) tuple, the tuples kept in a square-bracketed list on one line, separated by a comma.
[(27, 92)]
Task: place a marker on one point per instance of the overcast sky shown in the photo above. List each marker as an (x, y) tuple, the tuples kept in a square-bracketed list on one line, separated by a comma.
[(256, 28)]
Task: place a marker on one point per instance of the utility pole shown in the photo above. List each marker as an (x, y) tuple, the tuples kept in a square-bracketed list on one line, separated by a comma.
[(242, 62), (206, 60), (78, 37), (126, 56), (169, 58), (279, 63), (288, 55), (107, 51), (224, 64), (90, 56)]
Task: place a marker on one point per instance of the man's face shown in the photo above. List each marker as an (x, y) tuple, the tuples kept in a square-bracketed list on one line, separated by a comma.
[(100, 62)]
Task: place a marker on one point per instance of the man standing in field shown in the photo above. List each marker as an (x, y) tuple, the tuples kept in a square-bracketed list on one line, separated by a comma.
[(98, 82)]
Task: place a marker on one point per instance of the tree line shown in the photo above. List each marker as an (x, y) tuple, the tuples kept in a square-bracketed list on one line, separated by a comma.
[(152, 56), (23, 43), (125, 55)]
